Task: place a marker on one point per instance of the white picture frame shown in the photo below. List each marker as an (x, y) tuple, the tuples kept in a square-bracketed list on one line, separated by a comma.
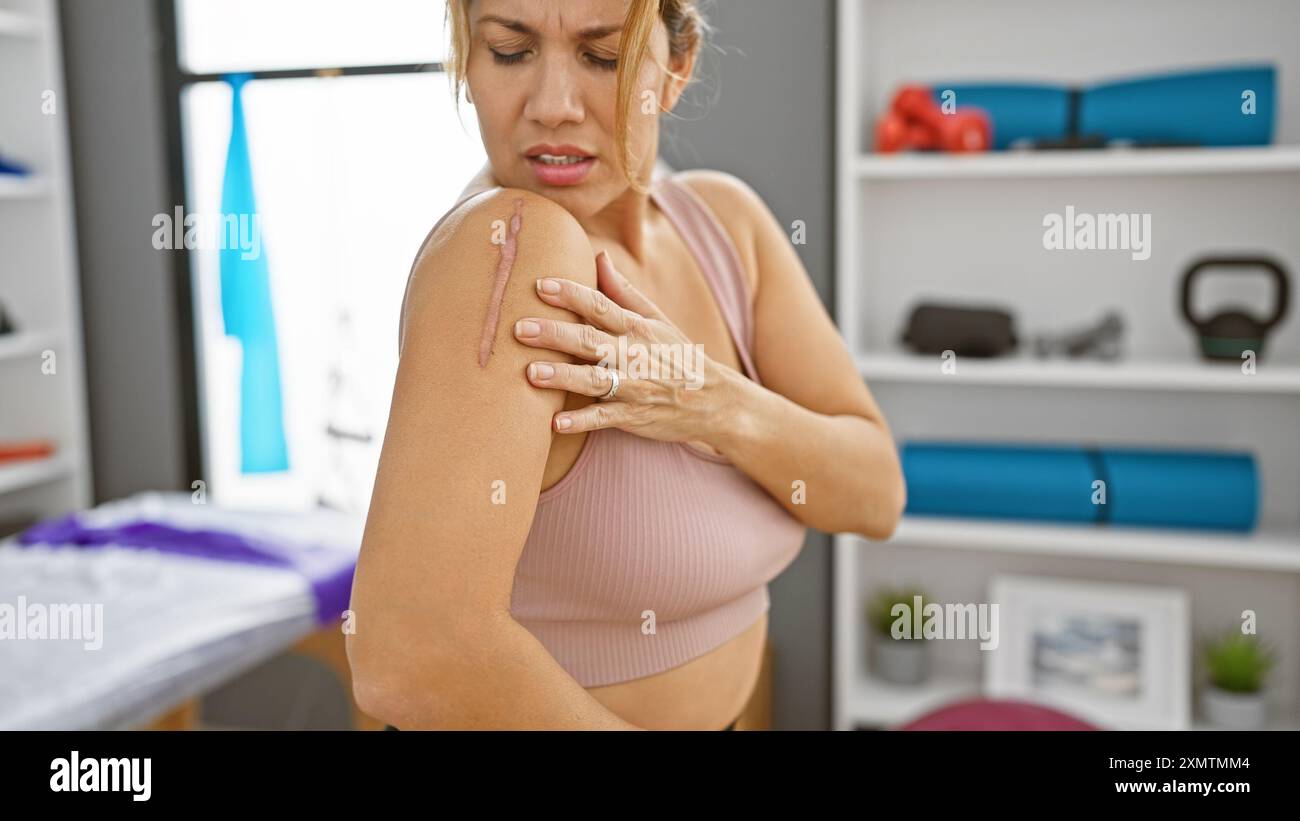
[(1115, 655)]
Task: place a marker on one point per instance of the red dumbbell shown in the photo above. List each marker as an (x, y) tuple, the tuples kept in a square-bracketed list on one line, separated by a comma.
[(916, 121), (891, 133)]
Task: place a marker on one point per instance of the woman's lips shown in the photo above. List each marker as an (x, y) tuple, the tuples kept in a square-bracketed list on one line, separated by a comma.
[(571, 174)]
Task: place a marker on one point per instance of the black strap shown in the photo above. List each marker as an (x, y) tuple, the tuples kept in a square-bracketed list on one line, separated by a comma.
[(1074, 104)]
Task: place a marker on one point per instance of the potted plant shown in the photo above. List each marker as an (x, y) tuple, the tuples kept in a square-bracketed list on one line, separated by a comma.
[(896, 660), (1234, 698)]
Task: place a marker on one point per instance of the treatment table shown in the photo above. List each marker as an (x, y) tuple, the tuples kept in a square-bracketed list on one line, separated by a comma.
[(173, 626)]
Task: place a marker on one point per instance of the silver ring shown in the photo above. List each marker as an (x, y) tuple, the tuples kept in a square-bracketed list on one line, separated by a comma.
[(613, 387)]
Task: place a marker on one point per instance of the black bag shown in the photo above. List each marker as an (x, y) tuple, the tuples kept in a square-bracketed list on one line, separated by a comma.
[(979, 332)]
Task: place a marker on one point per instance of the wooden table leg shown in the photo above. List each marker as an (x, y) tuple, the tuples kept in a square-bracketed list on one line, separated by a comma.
[(184, 716)]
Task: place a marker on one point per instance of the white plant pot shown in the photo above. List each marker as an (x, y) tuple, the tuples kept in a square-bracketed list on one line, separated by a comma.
[(1234, 711), (899, 661)]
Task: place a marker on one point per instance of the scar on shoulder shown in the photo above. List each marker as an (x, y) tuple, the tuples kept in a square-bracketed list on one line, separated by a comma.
[(506, 262)]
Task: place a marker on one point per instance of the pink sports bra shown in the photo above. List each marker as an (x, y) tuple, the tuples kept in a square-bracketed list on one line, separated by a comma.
[(648, 554)]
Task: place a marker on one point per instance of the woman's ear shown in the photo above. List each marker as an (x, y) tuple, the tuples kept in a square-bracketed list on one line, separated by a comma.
[(683, 67)]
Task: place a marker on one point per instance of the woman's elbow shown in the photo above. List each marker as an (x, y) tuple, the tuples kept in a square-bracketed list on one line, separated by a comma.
[(888, 513), (380, 699), (406, 687), (380, 688)]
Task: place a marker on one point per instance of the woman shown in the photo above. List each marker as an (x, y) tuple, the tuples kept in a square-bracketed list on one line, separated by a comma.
[(559, 536)]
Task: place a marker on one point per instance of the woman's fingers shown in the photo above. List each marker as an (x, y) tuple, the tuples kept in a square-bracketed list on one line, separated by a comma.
[(611, 282), (583, 341), (616, 305), (593, 416), (587, 303), (587, 380)]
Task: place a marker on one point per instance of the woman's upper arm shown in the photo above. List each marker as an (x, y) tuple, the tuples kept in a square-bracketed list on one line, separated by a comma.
[(465, 447)]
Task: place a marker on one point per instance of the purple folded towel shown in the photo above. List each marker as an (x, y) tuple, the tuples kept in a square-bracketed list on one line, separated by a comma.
[(329, 571)]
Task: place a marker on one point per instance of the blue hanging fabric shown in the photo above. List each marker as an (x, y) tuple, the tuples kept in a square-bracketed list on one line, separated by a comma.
[(246, 307)]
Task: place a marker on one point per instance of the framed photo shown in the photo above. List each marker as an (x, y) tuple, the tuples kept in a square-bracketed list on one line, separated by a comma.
[(1118, 656)]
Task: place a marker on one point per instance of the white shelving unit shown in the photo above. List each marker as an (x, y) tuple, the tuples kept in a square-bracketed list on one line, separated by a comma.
[(42, 371), (880, 704), (20, 23), (1261, 551), (967, 229), (1048, 164), (22, 188), (1021, 371)]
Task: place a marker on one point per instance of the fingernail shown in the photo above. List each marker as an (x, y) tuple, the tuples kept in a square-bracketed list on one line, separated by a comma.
[(563, 423), (540, 370), (527, 327), (548, 286)]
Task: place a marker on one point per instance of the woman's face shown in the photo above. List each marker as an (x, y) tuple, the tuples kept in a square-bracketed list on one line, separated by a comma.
[(542, 77)]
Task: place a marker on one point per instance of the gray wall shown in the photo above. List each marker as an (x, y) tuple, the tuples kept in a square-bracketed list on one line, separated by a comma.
[(119, 160), (765, 111)]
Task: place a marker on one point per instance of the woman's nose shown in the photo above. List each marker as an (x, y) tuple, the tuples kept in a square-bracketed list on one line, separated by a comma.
[(555, 97)]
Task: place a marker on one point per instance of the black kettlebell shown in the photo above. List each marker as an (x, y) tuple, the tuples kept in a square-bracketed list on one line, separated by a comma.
[(1229, 333)]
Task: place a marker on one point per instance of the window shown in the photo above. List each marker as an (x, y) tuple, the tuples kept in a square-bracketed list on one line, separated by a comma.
[(248, 35), (349, 170)]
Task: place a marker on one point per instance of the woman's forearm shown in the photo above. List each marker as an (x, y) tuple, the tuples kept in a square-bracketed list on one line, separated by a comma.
[(834, 473), (496, 676)]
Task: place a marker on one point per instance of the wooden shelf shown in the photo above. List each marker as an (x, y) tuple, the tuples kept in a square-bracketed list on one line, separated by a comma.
[(1082, 163), (1150, 375), (1263, 551)]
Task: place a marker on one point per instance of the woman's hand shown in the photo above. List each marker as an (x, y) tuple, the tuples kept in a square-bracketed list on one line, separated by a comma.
[(668, 388)]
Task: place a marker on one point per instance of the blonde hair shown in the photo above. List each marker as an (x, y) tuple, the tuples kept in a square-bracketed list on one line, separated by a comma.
[(686, 26)]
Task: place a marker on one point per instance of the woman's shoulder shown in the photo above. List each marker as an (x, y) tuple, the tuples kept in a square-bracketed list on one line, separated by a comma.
[(491, 209), (736, 205), (458, 259), (708, 182)]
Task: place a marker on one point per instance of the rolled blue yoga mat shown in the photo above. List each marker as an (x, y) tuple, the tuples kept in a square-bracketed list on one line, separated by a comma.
[(1197, 107), (1001, 483), (1034, 112), (1143, 487), (1217, 491)]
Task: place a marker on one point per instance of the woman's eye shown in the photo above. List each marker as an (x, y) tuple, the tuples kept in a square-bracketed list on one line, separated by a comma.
[(608, 65), (507, 59)]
